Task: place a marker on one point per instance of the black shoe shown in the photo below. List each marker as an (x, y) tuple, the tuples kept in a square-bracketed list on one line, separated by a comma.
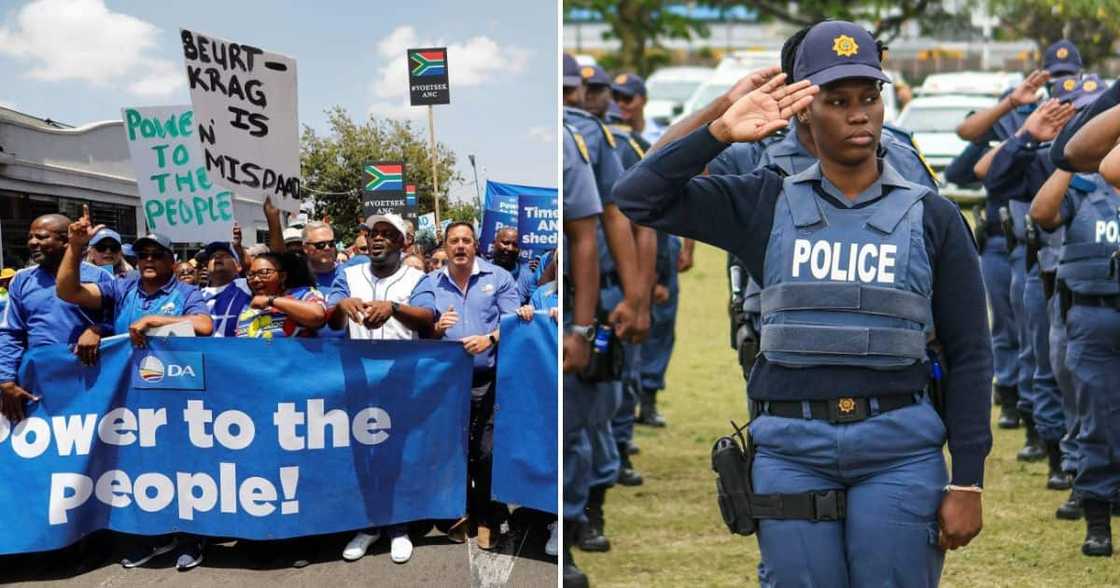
[(1057, 479), (190, 553), (647, 410), (591, 534), (1008, 413), (627, 475), (1033, 449), (632, 448), (1071, 509), (1098, 534), (573, 576)]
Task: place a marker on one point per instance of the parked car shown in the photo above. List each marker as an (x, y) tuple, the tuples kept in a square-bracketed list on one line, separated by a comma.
[(668, 89), (978, 83), (933, 121)]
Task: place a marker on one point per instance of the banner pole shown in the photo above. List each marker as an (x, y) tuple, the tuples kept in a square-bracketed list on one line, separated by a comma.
[(432, 146)]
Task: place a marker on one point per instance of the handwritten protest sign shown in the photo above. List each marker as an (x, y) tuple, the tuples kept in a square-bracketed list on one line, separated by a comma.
[(178, 197), (538, 218), (244, 102)]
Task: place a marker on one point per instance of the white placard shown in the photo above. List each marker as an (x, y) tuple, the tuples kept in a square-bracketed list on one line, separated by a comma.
[(426, 223), (245, 107), (176, 193)]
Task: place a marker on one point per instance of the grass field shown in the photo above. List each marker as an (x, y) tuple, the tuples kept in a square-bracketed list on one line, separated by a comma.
[(668, 532)]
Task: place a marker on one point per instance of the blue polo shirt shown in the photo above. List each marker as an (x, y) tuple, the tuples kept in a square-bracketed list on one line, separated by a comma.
[(525, 279), (36, 316), (130, 303), (491, 294)]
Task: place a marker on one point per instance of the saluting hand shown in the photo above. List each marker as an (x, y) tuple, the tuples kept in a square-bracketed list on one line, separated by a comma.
[(752, 80), (1027, 90), (1047, 120), (81, 231), (764, 111)]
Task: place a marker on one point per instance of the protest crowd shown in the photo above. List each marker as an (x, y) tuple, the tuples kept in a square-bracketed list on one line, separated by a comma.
[(796, 152), (85, 284)]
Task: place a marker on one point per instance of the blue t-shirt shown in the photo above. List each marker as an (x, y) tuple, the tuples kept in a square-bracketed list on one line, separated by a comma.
[(36, 316), (491, 293), (546, 297), (130, 303)]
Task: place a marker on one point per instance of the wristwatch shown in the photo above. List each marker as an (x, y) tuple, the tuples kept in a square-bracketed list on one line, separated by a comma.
[(493, 341), (585, 331), (396, 306), (271, 300)]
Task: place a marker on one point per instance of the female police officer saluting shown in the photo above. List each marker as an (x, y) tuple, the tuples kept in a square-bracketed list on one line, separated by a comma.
[(859, 268)]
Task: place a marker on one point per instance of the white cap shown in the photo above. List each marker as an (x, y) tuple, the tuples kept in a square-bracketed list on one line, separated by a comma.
[(291, 235), (392, 219)]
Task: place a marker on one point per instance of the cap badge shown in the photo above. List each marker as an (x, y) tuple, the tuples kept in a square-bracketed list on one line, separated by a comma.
[(845, 46), (1069, 85), (620, 79), (1062, 53), (587, 72), (1089, 86)]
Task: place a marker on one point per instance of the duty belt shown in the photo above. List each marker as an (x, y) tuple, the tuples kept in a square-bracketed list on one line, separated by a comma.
[(836, 410), (1108, 301)]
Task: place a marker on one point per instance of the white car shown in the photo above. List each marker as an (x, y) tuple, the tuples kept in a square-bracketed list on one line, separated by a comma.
[(668, 88), (978, 83), (749, 60), (933, 121)]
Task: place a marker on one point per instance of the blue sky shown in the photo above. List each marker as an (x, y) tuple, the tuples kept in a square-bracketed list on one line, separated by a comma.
[(79, 61)]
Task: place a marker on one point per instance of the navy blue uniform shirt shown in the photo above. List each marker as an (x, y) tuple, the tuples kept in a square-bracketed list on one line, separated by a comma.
[(736, 213)]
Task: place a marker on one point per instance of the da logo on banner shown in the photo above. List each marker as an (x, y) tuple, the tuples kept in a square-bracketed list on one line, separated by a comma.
[(182, 370)]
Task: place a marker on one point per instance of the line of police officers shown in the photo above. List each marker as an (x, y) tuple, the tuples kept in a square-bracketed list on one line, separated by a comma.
[(621, 302)]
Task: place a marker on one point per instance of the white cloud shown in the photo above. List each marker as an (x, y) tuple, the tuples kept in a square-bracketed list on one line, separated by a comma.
[(472, 63), (544, 134), (84, 40)]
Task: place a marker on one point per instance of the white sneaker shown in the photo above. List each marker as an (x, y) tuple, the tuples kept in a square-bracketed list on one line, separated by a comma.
[(550, 546), (358, 546), (400, 549)]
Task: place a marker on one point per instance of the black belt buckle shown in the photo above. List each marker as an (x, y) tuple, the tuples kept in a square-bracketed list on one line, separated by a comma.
[(827, 506), (846, 410)]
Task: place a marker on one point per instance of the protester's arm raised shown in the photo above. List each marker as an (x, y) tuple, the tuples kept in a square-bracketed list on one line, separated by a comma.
[(68, 282), (275, 231)]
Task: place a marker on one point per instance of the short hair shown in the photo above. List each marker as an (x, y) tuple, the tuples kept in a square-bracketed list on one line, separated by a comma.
[(315, 225), (447, 231), (506, 228), (257, 250)]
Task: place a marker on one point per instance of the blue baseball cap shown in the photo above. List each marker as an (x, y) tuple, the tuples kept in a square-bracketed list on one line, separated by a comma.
[(105, 234), (835, 50), (1062, 58), (1090, 88), (126, 250), (572, 78), (156, 239), (629, 84), (1064, 88), (216, 246), (594, 75)]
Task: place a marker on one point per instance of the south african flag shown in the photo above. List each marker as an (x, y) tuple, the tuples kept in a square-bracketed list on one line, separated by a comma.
[(429, 63), (385, 176), (410, 195)]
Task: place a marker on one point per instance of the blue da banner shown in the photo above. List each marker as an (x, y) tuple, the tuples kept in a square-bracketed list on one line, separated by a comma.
[(501, 209), (525, 406), (538, 218), (236, 438)]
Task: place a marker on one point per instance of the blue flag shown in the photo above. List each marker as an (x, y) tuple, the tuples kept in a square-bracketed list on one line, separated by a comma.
[(538, 220), (525, 429), (236, 438), (501, 209)]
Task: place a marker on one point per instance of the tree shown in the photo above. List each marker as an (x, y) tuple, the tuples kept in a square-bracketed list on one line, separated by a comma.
[(640, 25), (334, 163), (1088, 23)]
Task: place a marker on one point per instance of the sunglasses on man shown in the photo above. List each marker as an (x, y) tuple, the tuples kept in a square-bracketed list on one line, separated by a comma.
[(151, 254), (110, 247), (321, 245)]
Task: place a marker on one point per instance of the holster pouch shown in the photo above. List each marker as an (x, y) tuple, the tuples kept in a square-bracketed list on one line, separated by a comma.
[(604, 365), (732, 458), (936, 351), (740, 507), (1065, 299), (1008, 228), (980, 229), (747, 345), (1033, 244), (737, 316), (1049, 283)]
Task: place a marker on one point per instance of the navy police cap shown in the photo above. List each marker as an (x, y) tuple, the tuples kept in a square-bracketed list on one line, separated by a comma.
[(594, 75), (571, 72), (1062, 58), (629, 84), (835, 50), (1088, 90)]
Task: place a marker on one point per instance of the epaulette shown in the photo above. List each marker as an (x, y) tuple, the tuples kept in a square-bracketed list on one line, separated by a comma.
[(908, 138), (623, 132), (580, 143), (607, 134), (1082, 184)]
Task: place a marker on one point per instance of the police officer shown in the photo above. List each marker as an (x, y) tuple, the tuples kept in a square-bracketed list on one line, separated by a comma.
[(624, 286), (1087, 206), (839, 388), (1018, 168), (582, 209)]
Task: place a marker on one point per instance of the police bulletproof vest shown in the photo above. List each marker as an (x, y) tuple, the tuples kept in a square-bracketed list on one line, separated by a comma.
[(1091, 239), (846, 286)]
